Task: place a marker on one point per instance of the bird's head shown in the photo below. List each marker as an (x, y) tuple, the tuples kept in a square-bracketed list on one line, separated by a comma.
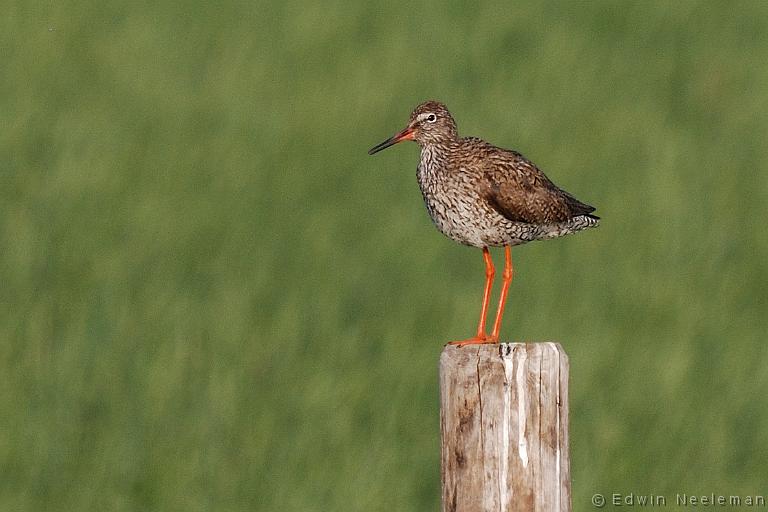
[(430, 123)]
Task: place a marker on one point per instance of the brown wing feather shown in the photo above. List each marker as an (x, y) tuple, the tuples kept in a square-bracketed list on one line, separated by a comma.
[(518, 190)]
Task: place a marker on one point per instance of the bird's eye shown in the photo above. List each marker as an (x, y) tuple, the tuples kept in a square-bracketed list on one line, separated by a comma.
[(431, 118)]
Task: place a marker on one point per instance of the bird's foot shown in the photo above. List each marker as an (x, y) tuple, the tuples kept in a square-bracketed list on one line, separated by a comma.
[(480, 339)]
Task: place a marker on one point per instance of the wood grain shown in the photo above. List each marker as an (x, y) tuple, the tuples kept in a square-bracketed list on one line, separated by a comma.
[(504, 428)]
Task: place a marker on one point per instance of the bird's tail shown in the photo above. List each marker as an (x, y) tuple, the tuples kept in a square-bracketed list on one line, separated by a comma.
[(572, 225)]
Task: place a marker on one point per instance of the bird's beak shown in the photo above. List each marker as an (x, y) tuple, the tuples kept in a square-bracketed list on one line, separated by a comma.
[(407, 134)]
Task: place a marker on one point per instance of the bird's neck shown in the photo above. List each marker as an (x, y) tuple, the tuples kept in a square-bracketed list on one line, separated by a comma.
[(434, 154), (433, 166)]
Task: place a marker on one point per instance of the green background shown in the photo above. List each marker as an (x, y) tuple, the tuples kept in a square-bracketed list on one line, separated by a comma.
[(212, 298)]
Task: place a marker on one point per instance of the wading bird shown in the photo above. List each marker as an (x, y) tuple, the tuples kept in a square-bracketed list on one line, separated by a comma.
[(484, 196)]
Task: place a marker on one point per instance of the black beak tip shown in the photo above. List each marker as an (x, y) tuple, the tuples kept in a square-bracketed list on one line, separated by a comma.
[(375, 149)]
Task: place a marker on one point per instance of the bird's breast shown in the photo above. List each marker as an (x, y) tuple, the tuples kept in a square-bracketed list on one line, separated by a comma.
[(454, 204)]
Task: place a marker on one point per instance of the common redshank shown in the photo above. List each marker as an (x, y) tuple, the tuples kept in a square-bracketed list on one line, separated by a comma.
[(484, 196)]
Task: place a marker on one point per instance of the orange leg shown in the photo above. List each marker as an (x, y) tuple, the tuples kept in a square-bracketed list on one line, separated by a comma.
[(506, 280), (481, 336)]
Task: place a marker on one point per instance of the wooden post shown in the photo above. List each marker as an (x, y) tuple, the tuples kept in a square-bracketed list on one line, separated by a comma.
[(504, 428)]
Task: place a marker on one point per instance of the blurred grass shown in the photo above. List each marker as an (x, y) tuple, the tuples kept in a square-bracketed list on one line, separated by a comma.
[(211, 298)]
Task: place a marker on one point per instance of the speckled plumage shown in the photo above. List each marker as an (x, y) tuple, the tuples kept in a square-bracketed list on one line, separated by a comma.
[(481, 195)]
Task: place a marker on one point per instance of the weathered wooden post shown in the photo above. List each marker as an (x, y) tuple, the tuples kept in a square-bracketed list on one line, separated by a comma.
[(504, 428)]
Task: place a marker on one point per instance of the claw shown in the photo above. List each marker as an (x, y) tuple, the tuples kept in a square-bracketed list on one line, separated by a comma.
[(477, 340)]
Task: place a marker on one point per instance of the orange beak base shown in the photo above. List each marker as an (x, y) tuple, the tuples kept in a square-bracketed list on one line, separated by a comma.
[(407, 134)]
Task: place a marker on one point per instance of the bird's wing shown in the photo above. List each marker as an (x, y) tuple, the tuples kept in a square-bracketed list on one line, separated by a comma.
[(519, 191)]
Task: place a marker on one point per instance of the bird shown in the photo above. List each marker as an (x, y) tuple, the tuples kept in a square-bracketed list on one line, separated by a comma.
[(485, 196)]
